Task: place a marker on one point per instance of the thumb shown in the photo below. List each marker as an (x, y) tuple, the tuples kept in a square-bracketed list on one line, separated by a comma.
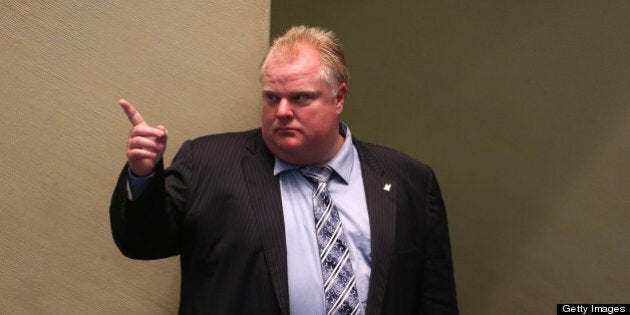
[(164, 137)]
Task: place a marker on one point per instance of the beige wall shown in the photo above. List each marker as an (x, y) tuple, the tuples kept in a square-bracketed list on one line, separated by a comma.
[(191, 66), (523, 109)]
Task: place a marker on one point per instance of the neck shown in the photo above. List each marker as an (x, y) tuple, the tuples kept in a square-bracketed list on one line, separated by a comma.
[(336, 149)]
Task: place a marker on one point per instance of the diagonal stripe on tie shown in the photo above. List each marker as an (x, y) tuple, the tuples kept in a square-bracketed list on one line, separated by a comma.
[(325, 251)]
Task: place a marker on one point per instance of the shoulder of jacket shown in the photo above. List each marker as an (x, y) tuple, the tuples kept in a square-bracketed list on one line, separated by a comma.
[(388, 158), (239, 136)]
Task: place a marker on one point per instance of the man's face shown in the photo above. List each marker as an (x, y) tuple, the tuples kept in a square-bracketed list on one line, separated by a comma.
[(299, 113)]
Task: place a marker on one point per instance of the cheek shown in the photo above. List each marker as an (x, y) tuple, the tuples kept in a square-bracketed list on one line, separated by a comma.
[(321, 119), (267, 115)]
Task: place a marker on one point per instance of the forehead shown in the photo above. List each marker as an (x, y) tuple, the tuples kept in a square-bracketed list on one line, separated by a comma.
[(298, 65)]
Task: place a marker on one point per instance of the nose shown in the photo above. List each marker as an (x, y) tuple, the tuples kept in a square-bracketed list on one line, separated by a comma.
[(284, 109)]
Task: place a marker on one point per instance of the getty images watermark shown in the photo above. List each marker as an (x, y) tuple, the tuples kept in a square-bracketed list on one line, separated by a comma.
[(586, 309)]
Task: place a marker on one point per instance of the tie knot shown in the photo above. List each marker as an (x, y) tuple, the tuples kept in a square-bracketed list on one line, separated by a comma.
[(318, 174)]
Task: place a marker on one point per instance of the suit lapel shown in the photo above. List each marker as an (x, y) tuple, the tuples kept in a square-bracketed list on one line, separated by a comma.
[(264, 191), (380, 192)]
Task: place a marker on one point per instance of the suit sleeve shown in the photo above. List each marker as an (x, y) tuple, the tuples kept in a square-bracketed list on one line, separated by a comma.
[(439, 296), (149, 227)]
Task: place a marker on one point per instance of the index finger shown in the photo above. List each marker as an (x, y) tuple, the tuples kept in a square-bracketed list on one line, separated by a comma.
[(132, 114)]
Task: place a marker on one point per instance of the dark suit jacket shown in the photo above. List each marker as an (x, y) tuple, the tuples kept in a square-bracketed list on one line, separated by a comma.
[(219, 207)]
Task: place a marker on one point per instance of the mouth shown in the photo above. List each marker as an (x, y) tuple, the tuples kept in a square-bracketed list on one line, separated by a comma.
[(285, 130)]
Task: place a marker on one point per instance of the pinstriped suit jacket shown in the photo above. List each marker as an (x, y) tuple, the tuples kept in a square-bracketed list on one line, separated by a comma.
[(219, 207)]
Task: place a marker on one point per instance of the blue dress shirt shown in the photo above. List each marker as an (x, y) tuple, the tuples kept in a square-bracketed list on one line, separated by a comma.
[(306, 293)]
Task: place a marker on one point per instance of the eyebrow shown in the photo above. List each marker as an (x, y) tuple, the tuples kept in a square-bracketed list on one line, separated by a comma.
[(300, 91)]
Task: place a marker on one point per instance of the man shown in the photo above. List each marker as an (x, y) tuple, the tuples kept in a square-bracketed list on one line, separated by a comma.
[(295, 217)]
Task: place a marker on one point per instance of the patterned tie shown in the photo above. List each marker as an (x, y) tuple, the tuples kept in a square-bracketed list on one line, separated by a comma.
[(339, 284)]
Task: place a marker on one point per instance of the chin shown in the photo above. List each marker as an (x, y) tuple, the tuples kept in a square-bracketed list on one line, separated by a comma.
[(289, 146), (287, 150)]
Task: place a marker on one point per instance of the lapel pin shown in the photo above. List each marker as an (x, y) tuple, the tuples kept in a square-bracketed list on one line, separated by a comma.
[(387, 187)]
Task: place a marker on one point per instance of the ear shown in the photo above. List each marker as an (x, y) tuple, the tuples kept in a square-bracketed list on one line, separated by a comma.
[(342, 91)]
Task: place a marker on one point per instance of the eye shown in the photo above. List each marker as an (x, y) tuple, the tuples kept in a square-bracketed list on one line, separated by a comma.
[(270, 97), (304, 98)]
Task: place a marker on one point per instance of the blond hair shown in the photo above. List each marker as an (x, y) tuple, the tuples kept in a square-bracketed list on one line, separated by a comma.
[(287, 46)]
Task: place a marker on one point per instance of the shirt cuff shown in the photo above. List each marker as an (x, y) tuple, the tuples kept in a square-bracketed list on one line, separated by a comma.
[(136, 185)]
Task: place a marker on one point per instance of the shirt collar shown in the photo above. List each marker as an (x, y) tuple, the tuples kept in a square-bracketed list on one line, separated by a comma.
[(341, 163)]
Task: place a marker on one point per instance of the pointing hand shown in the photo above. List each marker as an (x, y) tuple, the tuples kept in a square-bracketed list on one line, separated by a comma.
[(145, 145)]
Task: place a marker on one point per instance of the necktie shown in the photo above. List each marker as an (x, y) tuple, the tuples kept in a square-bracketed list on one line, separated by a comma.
[(340, 290)]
